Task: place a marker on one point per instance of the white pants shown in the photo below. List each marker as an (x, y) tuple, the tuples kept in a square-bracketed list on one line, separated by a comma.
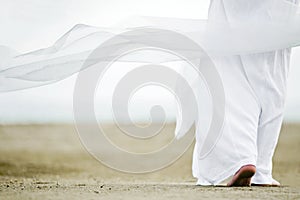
[(255, 90)]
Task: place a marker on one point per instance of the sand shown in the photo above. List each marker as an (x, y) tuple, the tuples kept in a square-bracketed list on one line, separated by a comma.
[(49, 162)]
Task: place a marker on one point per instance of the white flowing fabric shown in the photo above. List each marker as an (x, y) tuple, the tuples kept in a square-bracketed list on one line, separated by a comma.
[(273, 25), (244, 39), (255, 89)]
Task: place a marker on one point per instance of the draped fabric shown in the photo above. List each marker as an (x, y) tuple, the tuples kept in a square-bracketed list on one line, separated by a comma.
[(274, 24)]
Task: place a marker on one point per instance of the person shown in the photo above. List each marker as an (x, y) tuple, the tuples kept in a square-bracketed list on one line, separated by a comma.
[(255, 91)]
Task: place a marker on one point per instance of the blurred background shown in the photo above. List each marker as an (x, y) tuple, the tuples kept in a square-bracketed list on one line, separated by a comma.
[(41, 155)]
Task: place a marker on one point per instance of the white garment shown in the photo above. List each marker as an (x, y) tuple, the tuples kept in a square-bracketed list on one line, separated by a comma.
[(255, 89)]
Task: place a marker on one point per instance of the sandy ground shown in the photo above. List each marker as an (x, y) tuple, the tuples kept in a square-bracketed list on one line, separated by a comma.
[(49, 162)]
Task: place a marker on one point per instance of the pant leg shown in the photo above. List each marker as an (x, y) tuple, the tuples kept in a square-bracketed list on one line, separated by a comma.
[(268, 73), (237, 143), (268, 135), (272, 116)]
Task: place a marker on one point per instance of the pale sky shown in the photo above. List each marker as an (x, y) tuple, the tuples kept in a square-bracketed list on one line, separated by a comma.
[(28, 25)]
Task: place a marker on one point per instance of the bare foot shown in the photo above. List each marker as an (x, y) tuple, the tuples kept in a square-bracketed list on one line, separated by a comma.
[(243, 176), (273, 184)]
